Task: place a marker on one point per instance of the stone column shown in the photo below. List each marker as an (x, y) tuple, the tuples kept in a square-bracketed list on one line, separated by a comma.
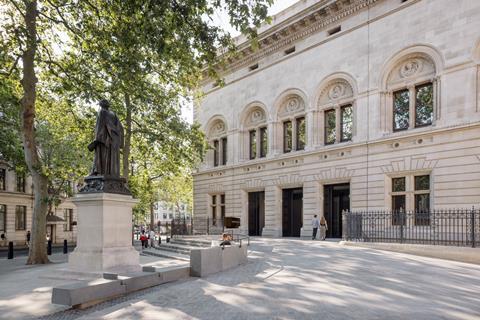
[(273, 212)]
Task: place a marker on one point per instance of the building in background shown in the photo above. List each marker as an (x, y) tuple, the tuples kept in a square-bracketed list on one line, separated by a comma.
[(164, 212), (16, 207), (345, 105)]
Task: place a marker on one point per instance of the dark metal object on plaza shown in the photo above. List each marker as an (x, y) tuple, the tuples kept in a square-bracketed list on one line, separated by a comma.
[(232, 222), (109, 139)]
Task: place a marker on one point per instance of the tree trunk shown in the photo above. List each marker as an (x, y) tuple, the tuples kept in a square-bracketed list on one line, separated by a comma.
[(38, 251), (152, 217), (128, 137)]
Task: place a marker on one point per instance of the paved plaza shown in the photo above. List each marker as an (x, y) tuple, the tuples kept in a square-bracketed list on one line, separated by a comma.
[(299, 279)]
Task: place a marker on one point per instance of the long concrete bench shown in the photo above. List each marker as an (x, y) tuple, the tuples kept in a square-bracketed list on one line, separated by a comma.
[(87, 293), (211, 260)]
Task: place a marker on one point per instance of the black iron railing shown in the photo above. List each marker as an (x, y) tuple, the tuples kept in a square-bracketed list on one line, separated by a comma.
[(454, 227), (197, 226)]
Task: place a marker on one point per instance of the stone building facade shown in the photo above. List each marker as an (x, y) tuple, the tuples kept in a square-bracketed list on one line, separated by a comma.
[(345, 105), (16, 208)]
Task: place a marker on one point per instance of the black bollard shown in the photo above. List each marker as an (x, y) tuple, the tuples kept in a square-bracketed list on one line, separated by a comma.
[(49, 247), (168, 239), (10, 250), (159, 240), (65, 247)]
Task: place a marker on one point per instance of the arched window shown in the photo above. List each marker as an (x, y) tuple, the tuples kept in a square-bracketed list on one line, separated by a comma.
[(410, 89), (291, 115), (336, 102), (411, 83), (217, 137), (255, 123)]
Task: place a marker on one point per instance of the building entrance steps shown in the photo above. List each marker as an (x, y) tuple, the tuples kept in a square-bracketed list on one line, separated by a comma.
[(178, 248)]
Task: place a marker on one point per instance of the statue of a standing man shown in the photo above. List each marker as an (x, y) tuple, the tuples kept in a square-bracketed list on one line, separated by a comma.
[(107, 144)]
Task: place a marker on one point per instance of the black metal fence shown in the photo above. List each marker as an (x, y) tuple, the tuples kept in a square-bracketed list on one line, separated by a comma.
[(456, 227), (197, 226)]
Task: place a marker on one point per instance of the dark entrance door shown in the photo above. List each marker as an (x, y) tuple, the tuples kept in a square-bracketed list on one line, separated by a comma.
[(292, 212), (336, 198), (256, 213)]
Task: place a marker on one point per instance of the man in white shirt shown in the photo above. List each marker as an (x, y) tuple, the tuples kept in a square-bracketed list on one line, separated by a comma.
[(151, 235), (315, 225)]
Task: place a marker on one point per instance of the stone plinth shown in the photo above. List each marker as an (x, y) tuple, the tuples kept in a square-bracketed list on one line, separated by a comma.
[(104, 239)]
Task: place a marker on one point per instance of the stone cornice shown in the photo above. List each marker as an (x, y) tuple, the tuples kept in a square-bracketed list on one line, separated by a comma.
[(299, 26)]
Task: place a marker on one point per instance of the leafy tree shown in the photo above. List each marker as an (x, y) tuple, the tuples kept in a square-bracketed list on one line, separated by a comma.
[(143, 55)]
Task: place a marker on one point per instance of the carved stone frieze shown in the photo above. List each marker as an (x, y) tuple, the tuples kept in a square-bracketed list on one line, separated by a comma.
[(321, 16)]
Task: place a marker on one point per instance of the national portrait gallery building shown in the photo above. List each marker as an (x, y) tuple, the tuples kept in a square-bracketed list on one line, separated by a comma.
[(345, 105)]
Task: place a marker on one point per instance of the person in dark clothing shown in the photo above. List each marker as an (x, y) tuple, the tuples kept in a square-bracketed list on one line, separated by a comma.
[(28, 238)]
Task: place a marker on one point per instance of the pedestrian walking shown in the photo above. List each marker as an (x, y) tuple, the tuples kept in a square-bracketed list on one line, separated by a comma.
[(28, 238), (315, 225), (152, 238), (143, 239), (323, 228)]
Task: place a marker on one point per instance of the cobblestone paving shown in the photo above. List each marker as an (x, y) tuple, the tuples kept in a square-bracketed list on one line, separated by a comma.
[(295, 279)]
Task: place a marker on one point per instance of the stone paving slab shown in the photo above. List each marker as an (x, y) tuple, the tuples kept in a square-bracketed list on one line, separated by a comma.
[(26, 291), (299, 279)]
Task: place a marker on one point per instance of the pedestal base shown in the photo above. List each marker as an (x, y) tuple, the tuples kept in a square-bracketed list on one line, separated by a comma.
[(119, 259), (104, 240)]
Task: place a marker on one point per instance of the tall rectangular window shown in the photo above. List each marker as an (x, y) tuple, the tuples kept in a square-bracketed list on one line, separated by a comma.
[(253, 144), (222, 207), (224, 151), (68, 217), (263, 142), (214, 210), (423, 105), (346, 124), (20, 217), (300, 134), (422, 200), (401, 110), (3, 179), (20, 182), (330, 127), (3, 218), (398, 201), (216, 151), (287, 136)]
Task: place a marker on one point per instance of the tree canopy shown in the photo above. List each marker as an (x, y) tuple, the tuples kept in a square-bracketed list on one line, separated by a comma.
[(61, 56)]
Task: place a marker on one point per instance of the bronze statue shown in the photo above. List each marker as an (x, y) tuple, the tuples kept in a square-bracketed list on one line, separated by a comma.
[(108, 142), (105, 175)]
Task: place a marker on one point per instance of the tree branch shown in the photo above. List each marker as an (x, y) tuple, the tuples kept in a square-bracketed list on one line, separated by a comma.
[(18, 8), (13, 67)]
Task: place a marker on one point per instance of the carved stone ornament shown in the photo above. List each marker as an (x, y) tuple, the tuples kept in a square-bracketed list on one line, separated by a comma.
[(410, 68), (336, 89), (105, 184), (292, 105), (217, 129), (256, 116)]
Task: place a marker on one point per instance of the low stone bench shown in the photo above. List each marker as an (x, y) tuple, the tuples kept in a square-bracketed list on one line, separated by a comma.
[(87, 293), (207, 261)]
